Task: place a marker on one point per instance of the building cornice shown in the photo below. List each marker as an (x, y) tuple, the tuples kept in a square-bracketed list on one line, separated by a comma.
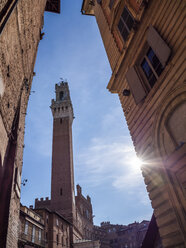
[(87, 7)]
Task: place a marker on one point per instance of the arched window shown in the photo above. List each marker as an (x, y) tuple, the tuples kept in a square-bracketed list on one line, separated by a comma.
[(61, 94)]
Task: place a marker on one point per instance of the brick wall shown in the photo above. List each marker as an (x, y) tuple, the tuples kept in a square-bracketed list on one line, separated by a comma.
[(19, 41)]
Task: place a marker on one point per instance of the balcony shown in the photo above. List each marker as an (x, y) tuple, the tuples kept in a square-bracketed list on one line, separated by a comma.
[(31, 240)]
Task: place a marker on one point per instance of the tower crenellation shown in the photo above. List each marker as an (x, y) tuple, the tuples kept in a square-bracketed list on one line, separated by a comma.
[(62, 106)]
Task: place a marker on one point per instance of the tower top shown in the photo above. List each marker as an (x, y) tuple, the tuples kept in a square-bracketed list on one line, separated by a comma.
[(62, 106)]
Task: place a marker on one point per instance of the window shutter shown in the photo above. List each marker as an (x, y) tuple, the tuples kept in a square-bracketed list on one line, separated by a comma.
[(158, 45), (135, 85)]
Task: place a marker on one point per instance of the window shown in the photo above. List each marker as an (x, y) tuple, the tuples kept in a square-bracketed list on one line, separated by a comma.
[(1, 85), (61, 94), (125, 24), (61, 191), (33, 234), (149, 66), (39, 235), (111, 4), (57, 222), (87, 213), (57, 239), (26, 228)]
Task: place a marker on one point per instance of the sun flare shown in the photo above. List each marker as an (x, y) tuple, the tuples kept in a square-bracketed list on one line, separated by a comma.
[(136, 163)]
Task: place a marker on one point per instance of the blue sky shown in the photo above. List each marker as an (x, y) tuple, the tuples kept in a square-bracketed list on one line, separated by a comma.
[(103, 153)]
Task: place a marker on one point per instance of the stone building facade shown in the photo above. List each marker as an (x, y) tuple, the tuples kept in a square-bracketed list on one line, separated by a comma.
[(21, 23), (145, 45), (77, 210), (31, 229), (87, 244), (152, 236), (85, 214), (121, 236), (101, 234), (131, 236), (57, 229)]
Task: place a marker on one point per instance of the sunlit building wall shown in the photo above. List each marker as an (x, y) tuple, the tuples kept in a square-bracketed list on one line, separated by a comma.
[(144, 42)]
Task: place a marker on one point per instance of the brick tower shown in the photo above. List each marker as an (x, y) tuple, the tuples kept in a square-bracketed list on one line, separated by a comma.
[(62, 184)]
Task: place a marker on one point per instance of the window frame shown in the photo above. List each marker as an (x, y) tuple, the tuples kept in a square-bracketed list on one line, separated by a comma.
[(33, 234), (39, 234), (57, 239), (125, 24), (26, 228), (144, 79), (137, 80)]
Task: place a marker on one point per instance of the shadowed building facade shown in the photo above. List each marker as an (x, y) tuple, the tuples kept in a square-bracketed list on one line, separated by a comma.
[(121, 236), (31, 229), (145, 44), (21, 23)]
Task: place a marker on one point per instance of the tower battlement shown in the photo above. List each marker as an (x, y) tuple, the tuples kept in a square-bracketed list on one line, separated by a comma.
[(42, 202), (61, 106)]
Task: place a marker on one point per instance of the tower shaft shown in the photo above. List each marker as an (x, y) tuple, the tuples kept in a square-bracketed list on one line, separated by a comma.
[(62, 183)]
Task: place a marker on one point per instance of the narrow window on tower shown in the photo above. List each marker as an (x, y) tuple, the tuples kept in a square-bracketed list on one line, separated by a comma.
[(61, 191), (62, 241), (60, 121), (57, 239)]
